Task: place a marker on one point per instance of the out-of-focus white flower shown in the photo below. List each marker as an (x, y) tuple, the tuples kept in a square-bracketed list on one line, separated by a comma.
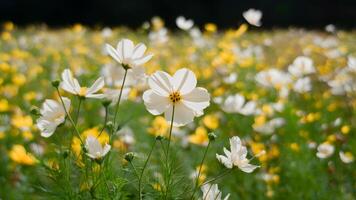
[(342, 83), (237, 104), (253, 16), (236, 156), (231, 78), (346, 157), (95, 150), (301, 66), (159, 36), (325, 150), (351, 63), (212, 192), (52, 115), (129, 55), (106, 32), (114, 76), (183, 23), (126, 135), (179, 91), (302, 85), (270, 126), (273, 78), (71, 85), (330, 28)]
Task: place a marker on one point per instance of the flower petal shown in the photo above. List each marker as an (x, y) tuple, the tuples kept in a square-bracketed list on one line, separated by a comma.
[(184, 81), (161, 83), (155, 104), (224, 160), (113, 53), (248, 168), (125, 48), (197, 100), (139, 51), (182, 115), (142, 60), (69, 83), (97, 85)]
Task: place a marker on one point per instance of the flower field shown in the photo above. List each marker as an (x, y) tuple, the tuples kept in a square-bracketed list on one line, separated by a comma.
[(152, 113)]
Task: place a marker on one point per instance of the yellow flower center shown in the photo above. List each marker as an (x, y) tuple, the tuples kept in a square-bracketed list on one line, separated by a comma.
[(83, 91), (175, 97)]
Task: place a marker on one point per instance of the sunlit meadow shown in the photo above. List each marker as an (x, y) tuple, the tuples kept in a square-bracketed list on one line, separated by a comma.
[(191, 113)]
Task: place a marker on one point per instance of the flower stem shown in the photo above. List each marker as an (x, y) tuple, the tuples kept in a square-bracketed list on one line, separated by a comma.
[(199, 172), (167, 154), (78, 110), (105, 120), (143, 169), (218, 176), (118, 101), (69, 117)]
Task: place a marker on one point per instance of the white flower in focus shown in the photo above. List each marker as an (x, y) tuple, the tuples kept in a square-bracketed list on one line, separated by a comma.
[(325, 150), (95, 150), (237, 104), (52, 115), (301, 66), (302, 85), (212, 192), (346, 157), (236, 157), (253, 16), (129, 55), (71, 85), (180, 92), (183, 23)]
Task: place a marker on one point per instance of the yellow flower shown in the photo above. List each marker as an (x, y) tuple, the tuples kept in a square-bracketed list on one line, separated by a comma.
[(345, 129), (211, 121), (23, 122), (4, 105), (200, 137), (210, 27), (19, 155), (159, 126), (295, 147), (19, 79), (2, 135), (103, 138)]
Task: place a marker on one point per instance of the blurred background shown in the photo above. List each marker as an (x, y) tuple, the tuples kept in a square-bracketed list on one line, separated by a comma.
[(224, 13)]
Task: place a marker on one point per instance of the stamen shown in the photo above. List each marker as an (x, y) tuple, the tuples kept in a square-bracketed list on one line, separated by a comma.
[(175, 97)]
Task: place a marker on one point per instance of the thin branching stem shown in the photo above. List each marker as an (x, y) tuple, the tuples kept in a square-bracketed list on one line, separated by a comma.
[(222, 174), (69, 117), (143, 169), (199, 172), (105, 121)]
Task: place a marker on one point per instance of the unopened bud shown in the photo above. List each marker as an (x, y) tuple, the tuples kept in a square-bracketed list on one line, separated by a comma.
[(35, 110), (129, 156), (55, 83), (159, 138), (212, 136), (106, 103)]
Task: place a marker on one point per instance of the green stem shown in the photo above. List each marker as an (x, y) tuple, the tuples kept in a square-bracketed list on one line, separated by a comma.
[(118, 101), (199, 172), (77, 113), (167, 154), (69, 117), (218, 176), (105, 120), (143, 169)]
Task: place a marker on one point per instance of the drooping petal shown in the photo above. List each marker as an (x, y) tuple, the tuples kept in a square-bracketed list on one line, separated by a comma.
[(197, 100), (154, 103), (161, 83), (248, 168), (47, 128), (182, 114), (69, 83), (113, 53), (97, 85), (125, 48), (224, 160), (184, 81)]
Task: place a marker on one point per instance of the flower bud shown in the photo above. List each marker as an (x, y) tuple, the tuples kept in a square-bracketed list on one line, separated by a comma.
[(55, 83), (129, 156), (65, 154), (106, 103), (35, 110), (159, 138), (212, 136), (110, 125)]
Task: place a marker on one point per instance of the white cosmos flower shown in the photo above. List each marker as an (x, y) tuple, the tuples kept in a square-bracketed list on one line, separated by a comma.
[(95, 150), (236, 157), (212, 192), (52, 115), (351, 63), (237, 104), (270, 126), (179, 91), (71, 85), (346, 157), (325, 150), (302, 65), (253, 16), (129, 55), (183, 23), (302, 85), (273, 78)]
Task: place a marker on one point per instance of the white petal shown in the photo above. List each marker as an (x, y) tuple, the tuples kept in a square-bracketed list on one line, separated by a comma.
[(197, 100), (154, 103), (113, 53), (69, 83), (248, 168), (142, 60), (95, 96), (125, 48), (235, 146), (66, 103), (161, 83), (182, 115), (97, 85), (139, 51), (93, 145), (106, 149), (47, 128), (184, 80), (224, 160)]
